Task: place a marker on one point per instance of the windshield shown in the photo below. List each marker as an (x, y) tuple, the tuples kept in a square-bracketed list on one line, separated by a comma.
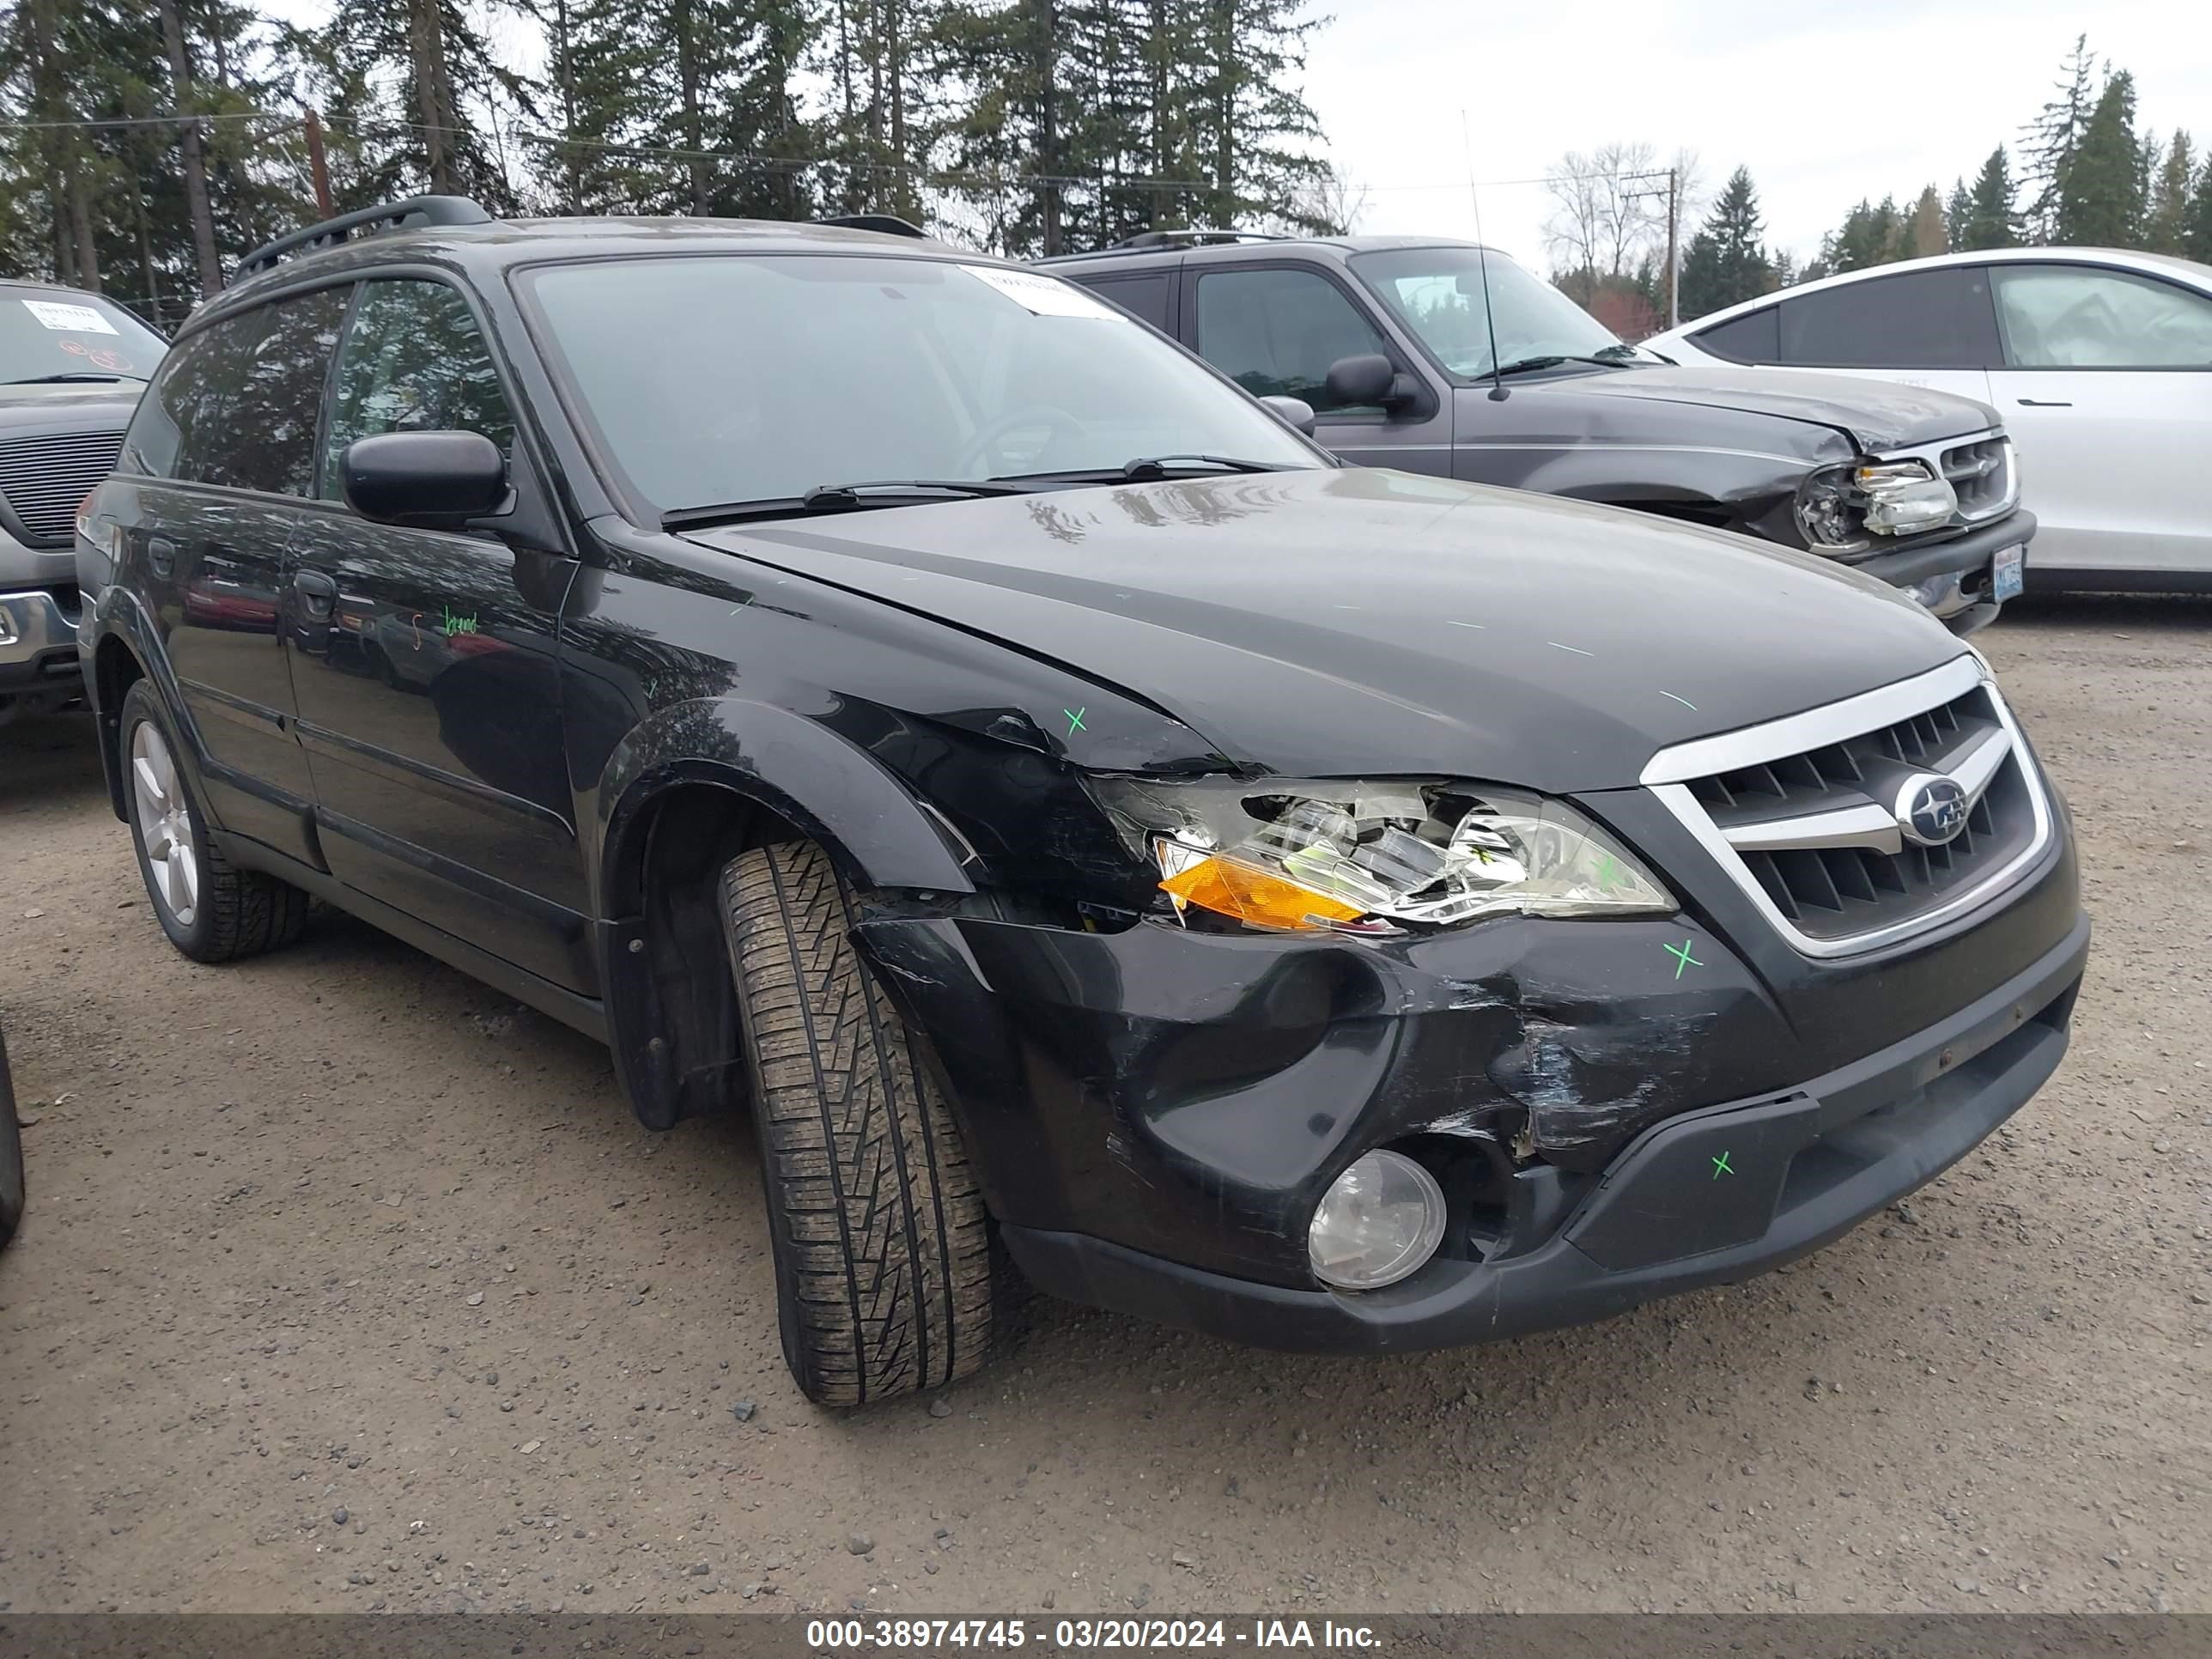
[(49, 332), (1437, 293), (752, 377)]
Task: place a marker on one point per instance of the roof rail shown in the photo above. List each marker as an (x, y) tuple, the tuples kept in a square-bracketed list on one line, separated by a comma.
[(394, 216), (1194, 238), (883, 224)]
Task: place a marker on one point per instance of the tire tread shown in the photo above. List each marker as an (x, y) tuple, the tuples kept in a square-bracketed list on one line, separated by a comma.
[(881, 1234)]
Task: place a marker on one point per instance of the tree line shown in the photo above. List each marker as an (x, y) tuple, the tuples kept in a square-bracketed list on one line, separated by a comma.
[(146, 145), (2082, 174)]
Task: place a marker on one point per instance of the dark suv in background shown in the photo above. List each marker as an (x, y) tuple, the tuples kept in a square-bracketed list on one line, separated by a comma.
[(1388, 338), (895, 692), (71, 365)]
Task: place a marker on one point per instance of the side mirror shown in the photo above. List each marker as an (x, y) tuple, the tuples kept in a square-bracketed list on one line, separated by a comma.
[(1294, 411), (1367, 378), (431, 479)]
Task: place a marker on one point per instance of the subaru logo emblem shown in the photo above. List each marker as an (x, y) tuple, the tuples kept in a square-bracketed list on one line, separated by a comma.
[(1931, 809)]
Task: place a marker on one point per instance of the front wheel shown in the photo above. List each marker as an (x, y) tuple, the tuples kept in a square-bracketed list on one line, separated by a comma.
[(883, 1265), (212, 910)]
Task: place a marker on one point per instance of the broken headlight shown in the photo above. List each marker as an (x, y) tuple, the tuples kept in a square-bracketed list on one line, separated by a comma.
[(1839, 507), (1365, 857)]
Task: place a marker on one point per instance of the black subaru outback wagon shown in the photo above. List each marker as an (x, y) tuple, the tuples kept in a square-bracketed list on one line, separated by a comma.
[(890, 691)]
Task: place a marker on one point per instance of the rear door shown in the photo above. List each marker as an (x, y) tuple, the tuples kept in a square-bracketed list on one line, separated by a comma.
[(227, 439), (423, 661), (2106, 386), (1275, 326)]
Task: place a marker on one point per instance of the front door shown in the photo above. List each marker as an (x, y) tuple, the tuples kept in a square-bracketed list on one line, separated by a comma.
[(2106, 387), (424, 663), (229, 453), (1275, 329)]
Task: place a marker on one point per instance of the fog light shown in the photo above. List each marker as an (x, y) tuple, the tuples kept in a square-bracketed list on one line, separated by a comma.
[(1379, 1221)]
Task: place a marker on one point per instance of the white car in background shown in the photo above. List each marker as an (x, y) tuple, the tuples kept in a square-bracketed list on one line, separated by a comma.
[(2099, 360)]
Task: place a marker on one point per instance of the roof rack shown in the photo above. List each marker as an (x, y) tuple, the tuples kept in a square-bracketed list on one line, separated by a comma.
[(883, 224), (392, 216), (1195, 237)]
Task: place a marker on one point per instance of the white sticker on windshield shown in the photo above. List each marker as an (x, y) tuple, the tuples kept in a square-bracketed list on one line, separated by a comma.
[(1048, 297), (69, 319)]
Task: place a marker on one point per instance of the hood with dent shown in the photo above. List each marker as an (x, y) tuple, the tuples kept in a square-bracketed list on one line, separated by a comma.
[(1876, 415), (1338, 622)]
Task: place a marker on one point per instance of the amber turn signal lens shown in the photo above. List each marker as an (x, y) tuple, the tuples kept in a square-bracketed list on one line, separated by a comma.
[(1252, 895)]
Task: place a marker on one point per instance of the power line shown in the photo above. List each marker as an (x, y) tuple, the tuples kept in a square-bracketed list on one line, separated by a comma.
[(99, 123)]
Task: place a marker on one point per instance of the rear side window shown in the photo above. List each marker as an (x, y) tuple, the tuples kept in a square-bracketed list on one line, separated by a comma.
[(413, 361), (1146, 297), (1753, 338), (1275, 332), (1939, 319), (237, 404)]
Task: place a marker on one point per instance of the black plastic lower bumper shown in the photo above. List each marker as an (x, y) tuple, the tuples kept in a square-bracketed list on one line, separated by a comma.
[(1971, 550), (1707, 1198)]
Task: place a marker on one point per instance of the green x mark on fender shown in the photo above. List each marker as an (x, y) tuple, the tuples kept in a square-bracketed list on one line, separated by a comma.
[(1721, 1166), (1684, 959), (1075, 720)]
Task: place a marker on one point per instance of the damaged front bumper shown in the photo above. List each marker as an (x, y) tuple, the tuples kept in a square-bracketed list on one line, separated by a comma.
[(1709, 1198), (1153, 1115), (1955, 578)]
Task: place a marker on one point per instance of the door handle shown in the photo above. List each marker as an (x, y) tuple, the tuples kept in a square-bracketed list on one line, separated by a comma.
[(2043, 403), (161, 554), (317, 593)]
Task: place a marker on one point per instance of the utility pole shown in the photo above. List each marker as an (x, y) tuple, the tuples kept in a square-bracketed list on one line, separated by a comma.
[(319, 164), (1674, 225)]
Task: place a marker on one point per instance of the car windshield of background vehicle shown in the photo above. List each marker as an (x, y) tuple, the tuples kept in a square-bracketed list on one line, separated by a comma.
[(2076, 317), (1436, 292), (761, 377), (61, 335)]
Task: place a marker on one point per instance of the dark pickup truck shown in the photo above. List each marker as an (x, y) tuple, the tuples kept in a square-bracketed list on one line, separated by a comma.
[(1390, 341), (72, 367)]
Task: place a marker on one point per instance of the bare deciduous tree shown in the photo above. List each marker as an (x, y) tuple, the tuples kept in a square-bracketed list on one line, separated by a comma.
[(1609, 212), (1333, 203)]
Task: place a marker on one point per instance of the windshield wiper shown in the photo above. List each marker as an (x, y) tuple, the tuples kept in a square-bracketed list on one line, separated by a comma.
[(840, 498), (73, 375), (1553, 359), (1150, 469)]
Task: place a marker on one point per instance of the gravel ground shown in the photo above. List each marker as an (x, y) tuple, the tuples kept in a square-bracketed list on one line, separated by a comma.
[(347, 1284)]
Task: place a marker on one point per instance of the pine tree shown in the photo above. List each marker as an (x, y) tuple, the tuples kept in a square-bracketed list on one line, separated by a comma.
[(2166, 230), (413, 76), (1871, 235), (2050, 139), (2167, 224), (1252, 129), (1956, 213), (1989, 221), (1726, 263), (2197, 223), (2101, 199), (1923, 232)]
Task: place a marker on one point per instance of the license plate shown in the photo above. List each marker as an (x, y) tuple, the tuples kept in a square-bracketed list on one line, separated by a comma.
[(2008, 573)]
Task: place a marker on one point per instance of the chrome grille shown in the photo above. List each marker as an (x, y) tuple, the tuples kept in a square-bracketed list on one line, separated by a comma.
[(1981, 474), (43, 478), (1804, 814)]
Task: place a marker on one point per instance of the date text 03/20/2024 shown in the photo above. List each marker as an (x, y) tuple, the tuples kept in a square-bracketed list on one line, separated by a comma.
[(914, 1634)]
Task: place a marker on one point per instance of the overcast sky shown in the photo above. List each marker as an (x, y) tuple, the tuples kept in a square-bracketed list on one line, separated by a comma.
[(1825, 104)]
